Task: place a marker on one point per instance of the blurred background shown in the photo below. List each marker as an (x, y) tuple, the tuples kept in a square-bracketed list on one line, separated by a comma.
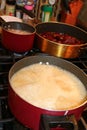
[(33, 11)]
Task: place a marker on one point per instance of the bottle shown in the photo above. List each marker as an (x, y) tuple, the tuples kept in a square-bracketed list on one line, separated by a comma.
[(18, 11), (28, 15), (19, 5), (10, 7), (2, 7), (46, 13)]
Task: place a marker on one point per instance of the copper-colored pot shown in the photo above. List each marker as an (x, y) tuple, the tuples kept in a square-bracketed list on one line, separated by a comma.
[(58, 49), (31, 115)]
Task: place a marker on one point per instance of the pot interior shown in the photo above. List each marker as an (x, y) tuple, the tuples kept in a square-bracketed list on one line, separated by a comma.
[(51, 60), (18, 26), (62, 28)]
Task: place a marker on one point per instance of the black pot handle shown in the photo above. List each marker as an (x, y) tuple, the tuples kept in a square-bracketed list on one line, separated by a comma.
[(68, 122)]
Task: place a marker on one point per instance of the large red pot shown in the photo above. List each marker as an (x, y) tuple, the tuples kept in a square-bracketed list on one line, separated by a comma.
[(30, 115), (17, 42)]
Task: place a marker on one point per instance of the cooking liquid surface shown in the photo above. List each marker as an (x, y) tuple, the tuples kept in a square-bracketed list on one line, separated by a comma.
[(17, 31), (48, 87), (62, 38)]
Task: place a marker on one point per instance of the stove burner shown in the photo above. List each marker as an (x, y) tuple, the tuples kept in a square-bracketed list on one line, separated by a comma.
[(7, 59), (20, 54)]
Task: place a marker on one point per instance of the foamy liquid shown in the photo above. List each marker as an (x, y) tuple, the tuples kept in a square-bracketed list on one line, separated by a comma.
[(48, 87)]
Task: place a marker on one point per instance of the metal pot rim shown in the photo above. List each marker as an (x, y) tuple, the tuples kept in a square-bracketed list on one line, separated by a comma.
[(7, 25)]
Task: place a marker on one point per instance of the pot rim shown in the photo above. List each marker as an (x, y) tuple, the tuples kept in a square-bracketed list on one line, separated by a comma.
[(54, 22), (6, 23)]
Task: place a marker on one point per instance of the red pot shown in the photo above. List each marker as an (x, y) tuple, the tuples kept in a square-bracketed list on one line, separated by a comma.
[(30, 115), (18, 42)]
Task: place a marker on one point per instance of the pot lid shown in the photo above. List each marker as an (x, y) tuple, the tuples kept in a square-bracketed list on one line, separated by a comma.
[(7, 18)]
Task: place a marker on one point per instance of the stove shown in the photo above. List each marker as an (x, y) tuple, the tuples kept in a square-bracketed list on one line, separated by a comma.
[(7, 59)]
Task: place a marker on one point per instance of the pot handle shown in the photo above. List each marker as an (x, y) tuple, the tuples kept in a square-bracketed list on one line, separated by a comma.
[(84, 45), (58, 122)]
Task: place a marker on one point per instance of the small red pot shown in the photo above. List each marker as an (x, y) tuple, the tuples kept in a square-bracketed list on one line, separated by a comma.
[(18, 42), (31, 116)]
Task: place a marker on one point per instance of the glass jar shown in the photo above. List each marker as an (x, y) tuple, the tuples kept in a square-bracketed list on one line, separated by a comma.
[(10, 7)]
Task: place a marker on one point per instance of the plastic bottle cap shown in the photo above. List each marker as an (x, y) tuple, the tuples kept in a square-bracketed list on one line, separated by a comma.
[(28, 7), (47, 8)]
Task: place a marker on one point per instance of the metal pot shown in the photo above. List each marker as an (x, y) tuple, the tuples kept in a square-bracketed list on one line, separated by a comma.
[(17, 42), (30, 115), (58, 49)]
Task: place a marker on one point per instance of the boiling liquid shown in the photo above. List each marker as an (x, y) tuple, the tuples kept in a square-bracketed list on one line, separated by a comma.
[(48, 87)]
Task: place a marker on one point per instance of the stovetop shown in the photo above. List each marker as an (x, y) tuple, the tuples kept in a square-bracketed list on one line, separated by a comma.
[(7, 59)]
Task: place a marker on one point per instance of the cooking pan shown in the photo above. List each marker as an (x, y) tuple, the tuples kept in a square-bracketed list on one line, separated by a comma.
[(59, 49), (30, 115), (17, 42)]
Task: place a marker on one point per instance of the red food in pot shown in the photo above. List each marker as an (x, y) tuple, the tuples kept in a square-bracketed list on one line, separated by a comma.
[(61, 38)]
